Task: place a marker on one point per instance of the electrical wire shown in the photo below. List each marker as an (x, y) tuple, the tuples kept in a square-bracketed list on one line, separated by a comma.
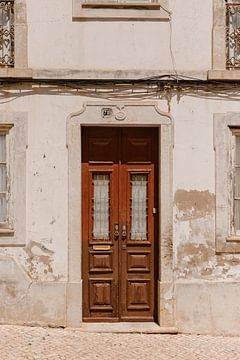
[(163, 87)]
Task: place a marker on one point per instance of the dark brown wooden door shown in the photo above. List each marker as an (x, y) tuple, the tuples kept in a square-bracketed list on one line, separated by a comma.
[(119, 176)]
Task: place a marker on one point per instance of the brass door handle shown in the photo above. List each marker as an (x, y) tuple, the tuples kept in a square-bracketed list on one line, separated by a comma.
[(124, 232), (116, 231)]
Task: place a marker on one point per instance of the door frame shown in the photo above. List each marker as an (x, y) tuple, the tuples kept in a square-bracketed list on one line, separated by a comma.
[(108, 113)]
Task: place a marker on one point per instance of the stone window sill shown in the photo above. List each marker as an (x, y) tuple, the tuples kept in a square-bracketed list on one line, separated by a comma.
[(233, 239), (224, 74), (6, 232), (6, 72), (8, 239), (99, 5)]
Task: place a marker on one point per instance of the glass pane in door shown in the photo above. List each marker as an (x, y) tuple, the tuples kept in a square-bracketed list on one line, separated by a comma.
[(139, 199), (101, 206)]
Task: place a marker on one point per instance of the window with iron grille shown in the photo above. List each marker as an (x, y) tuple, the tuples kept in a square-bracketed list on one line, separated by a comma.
[(7, 33), (233, 34)]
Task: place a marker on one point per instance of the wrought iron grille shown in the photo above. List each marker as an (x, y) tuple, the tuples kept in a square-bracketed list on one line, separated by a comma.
[(233, 34), (7, 33)]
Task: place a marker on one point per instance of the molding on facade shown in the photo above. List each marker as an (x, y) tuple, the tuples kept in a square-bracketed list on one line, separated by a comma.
[(226, 242), (20, 35), (219, 35), (97, 10), (135, 114), (105, 74)]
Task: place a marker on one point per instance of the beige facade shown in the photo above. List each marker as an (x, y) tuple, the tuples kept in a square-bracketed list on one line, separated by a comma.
[(68, 66)]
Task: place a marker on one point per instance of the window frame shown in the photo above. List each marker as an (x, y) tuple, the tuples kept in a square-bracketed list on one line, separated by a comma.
[(102, 10), (226, 240), (235, 169), (6, 227), (13, 233)]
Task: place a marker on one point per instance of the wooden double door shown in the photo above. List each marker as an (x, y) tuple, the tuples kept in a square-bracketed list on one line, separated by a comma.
[(119, 222)]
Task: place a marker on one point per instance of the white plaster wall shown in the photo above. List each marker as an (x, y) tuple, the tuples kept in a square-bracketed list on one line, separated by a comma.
[(192, 34), (30, 271), (55, 41), (47, 191), (34, 277)]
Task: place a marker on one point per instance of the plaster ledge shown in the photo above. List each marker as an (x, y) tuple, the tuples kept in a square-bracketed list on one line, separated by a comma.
[(113, 74)]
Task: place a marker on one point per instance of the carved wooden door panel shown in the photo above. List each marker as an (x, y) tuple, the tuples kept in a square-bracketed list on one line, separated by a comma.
[(119, 226), (137, 217)]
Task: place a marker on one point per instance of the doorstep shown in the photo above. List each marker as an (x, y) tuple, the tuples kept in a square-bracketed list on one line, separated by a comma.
[(127, 327)]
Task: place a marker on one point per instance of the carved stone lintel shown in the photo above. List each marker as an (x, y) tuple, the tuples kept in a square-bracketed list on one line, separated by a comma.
[(142, 113)]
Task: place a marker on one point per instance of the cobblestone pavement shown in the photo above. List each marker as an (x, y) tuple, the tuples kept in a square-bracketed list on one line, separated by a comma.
[(28, 343)]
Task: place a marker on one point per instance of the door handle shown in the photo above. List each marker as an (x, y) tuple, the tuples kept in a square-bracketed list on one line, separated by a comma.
[(124, 232), (116, 231)]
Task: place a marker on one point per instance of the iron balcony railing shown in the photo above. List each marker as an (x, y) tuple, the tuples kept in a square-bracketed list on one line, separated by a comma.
[(7, 33), (232, 34)]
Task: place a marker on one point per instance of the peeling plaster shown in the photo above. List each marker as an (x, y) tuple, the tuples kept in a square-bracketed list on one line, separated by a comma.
[(195, 256), (39, 259), (193, 204), (199, 261)]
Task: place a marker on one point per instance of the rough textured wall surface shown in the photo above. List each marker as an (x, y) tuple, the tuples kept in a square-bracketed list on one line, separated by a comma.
[(206, 282), (34, 277), (203, 287)]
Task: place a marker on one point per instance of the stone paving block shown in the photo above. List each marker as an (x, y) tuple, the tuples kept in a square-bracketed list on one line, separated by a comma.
[(36, 343)]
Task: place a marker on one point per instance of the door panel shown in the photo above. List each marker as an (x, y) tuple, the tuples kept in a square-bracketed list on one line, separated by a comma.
[(137, 285), (118, 177), (100, 213)]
